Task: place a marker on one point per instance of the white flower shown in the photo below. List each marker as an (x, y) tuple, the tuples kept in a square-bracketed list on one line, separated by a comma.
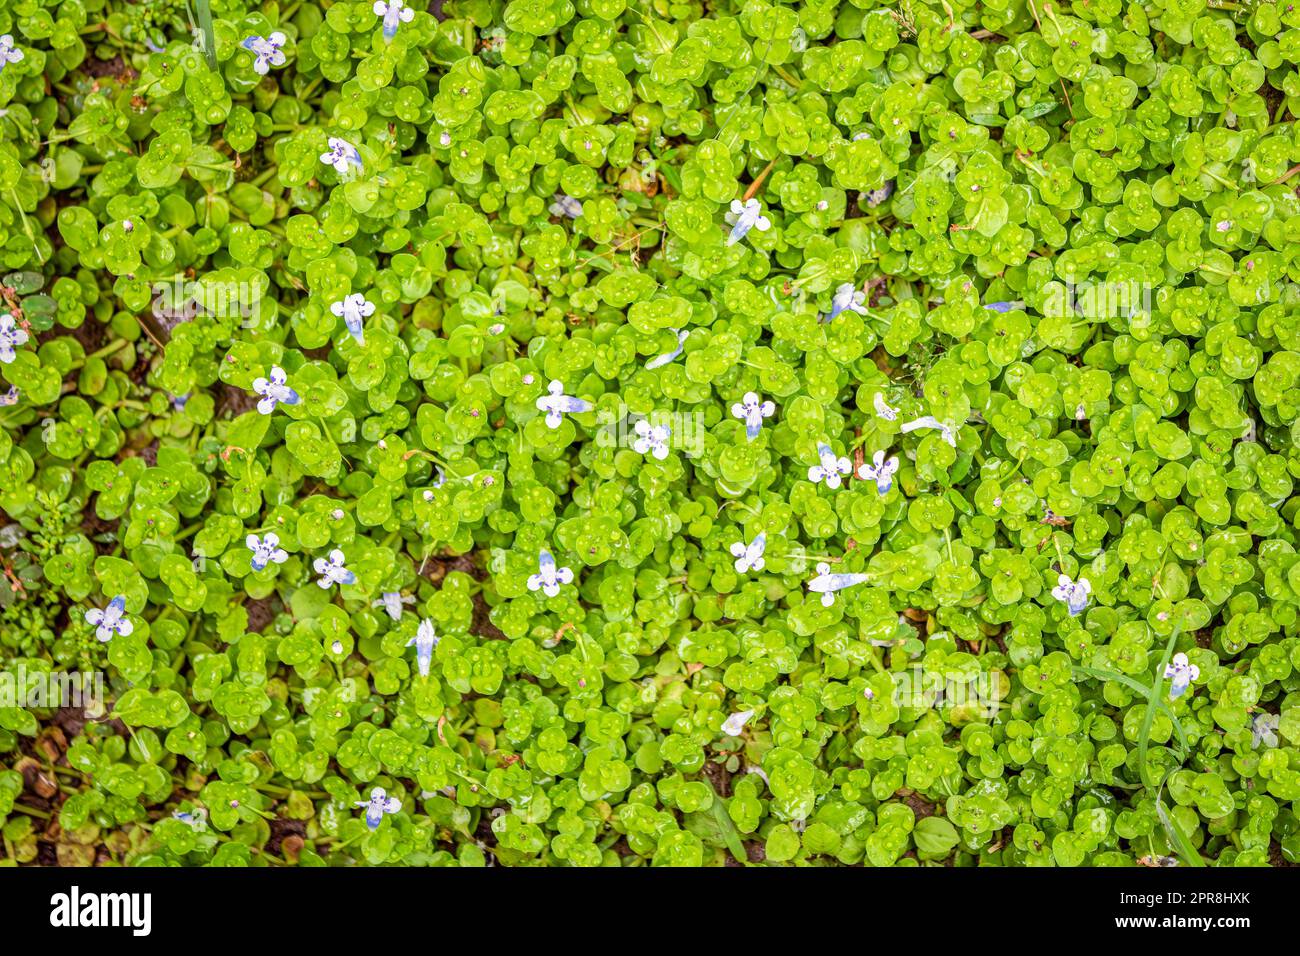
[(667, 357), (734, 725), (565, 206), (826, 584), (392, 601), (393, 13), (352, 309), (750, 557), (424, 642), (112, 620), (744, 217), (341, 155), (848, 298), (751, 409), (332, 571), (266, 550), (378, 805), (10, 397), (556, 404), (831, 467), (11, 335), (929, 421), (884, 409), (267, 51), (274, 390), (8, 52), (1182, 673), (1073, 593), (880, 471), (548, 577), (652, 439)]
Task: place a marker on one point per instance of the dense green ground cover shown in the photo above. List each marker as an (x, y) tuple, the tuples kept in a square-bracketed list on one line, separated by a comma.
[(578, 433)]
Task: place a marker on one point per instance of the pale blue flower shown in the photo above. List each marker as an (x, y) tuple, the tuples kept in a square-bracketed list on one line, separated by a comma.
[(1004, 307), (565, 206), (1074, 594), (266, 550), (652, 439), (378, 805), (874, 197), (111, 620), (393, 12), (880, 471), (341, 155), (826, 584), (1182, 674), (556, 404), (831, 467), (667, 357), (392, 601), (734, 725), (750, 557), (11, 336), (949, 432), (267, 51), (352, 310), (1263, 730), (549, 577), (848, 298), (424, 642), (751, 409), (332, 571), (884, 409), (8, 52), (744, 217), (10, 397), (274, 391)]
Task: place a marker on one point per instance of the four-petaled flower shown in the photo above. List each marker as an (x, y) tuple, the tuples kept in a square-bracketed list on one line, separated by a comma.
[(196, 821), (341, 155), (11, 335), (378, 804), (744, 217), (850, 298), (424, 642), (267, 51), (880, 471), (111, 620), (266, 550), (831, 467), (332, 571), (274, 391), (734, 725), (949, 433), (393, 12), (10, 397), (548, 577), (8, 52), (652, 439), (1182, 674), (750, 557), (883, 409), (751, 409), (667, 357), (352, 309), (826, 584), (1074, 594), (392, 601), (556, 404), (1263, 729)]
